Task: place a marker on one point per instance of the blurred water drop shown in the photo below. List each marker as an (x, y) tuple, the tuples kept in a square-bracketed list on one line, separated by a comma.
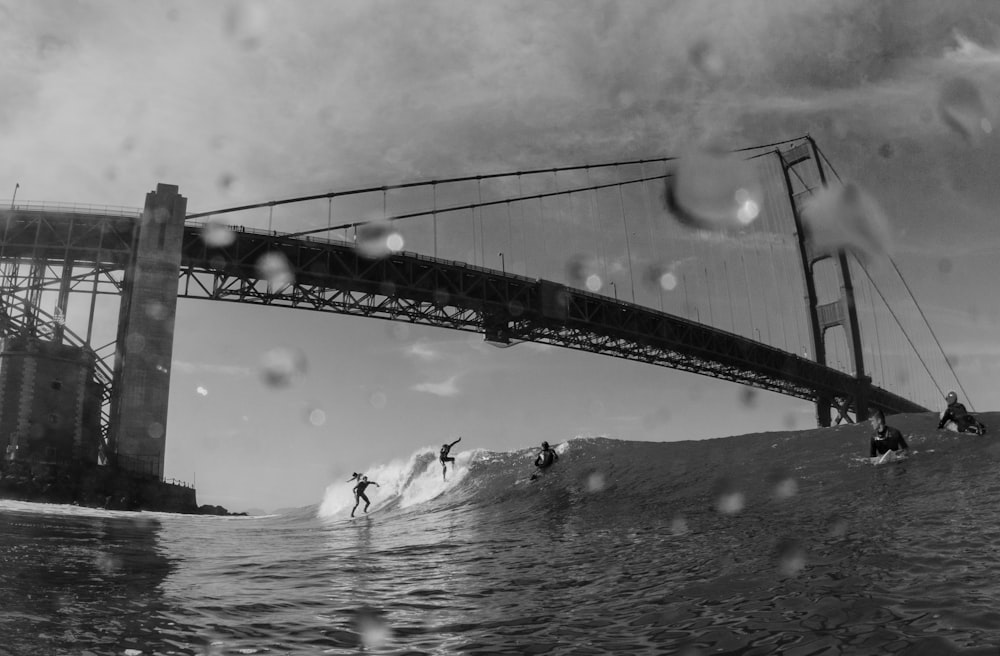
[(885, 150), (378, 239), (372, 628), (748, 396), (668, 281), (730, 503), (155, 430), (316, 417), (581, 271), (791, 557), (201, 391), (156, 310), (789, 420), (595, 482), (107, 564), (962, 109), (275, 269), (377, 400), (786, 489), (246, 23), (707, 60), (944, 265), (846, 217), (216, 234), (441, 297), (838, 526), (516, 308), (281, 366), (217, 262), (678, 525), (226, 181), (135, 343), (714, 191)]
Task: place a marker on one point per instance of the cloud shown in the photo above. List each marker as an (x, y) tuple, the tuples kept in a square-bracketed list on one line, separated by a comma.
[(422, 351), (446, 388)]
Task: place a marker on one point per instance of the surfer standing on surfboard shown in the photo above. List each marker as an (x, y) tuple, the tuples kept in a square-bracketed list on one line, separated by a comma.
[(445, 458), (886, 438), (359, 491)]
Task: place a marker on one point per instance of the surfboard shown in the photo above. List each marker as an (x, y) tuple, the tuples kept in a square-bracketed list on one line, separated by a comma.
[(887, 457)]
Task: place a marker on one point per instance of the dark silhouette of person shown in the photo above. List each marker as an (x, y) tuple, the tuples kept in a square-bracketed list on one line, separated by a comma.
[(445, 459), (359, 492), (962, 420), (886, 438), (545, 459)]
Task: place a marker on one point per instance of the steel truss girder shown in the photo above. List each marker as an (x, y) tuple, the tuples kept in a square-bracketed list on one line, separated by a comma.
[(334, 277)]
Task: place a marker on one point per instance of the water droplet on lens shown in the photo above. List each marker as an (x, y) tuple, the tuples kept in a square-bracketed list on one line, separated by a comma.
[(730, 503), (156, 311), (275, 269), (962, 109), (944, 265), (398, 331), (373, 629), (135, 343), (678, 525), (201, 391), (838, 526), (885, 150), (377, 400), (247, 23), (516, 308), (378, 239), (846, 217), (748, 396), (280, 367), (155, 430), (789, 421), (791, 557), (786, 489), (595, 482), (706, 58), (317, 417), (217, 234), (581, 271), (714, 191)]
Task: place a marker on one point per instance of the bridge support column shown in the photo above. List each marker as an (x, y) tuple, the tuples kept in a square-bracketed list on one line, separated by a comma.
[(146, 335)]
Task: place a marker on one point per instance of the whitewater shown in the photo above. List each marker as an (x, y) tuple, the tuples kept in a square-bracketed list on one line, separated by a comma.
[(773, 543)]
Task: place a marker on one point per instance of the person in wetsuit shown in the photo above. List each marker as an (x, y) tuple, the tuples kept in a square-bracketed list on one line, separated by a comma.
[(545, 459), (359, 492), (886, 438), (962, 419), (445, 459)]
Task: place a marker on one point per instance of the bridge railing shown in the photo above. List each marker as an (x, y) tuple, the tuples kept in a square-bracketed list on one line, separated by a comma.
[(72, 208)]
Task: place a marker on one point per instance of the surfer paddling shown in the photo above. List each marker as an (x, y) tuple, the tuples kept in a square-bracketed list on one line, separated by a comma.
[(886, 438), (545, 459), (359, 491), (445, 458)]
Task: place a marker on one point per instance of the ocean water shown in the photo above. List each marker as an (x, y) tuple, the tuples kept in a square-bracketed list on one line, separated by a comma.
[(778, 543)]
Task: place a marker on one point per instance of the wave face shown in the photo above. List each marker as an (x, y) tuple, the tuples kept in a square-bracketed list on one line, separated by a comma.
[(777, 543)]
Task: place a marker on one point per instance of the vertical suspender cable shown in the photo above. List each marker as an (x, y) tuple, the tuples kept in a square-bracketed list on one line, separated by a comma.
[(628, 247), (434, 215), (597, 227)]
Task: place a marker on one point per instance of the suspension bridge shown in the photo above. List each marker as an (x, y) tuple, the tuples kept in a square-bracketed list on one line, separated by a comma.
[(584, 257)]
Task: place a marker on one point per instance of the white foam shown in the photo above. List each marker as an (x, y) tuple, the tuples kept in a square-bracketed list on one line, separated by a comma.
[(406, 480)]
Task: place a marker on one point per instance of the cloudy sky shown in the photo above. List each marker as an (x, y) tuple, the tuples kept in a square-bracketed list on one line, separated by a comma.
[(245, 102)]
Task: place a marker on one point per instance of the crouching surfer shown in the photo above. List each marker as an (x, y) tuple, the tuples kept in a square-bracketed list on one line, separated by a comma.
[(545, 459), (359, 491), (956, 418), (886, 438)]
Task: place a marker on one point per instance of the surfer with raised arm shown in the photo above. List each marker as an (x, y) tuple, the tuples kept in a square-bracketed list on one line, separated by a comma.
[(445, 458), (359, 491), (886, 438), (545, 459)]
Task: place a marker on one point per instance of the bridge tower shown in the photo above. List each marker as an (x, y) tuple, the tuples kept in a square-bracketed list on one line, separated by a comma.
[(144, 344), (840, 312)]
